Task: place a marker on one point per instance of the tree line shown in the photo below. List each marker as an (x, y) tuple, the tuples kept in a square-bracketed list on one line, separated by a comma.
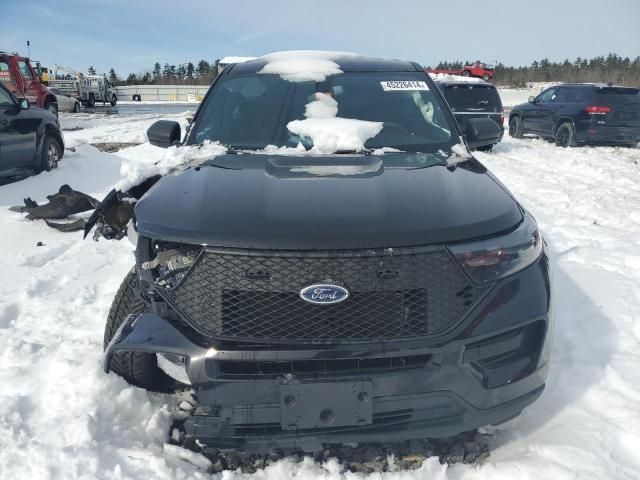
[(603, 69), (612, 68), (202, 73)]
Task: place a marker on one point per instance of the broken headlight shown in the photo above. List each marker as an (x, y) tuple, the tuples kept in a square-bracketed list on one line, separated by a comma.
[(492, 259), (171, 263)]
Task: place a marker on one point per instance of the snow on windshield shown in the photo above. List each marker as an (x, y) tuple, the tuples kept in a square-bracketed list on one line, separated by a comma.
[(134, 171), (330, 133), (304, 65)]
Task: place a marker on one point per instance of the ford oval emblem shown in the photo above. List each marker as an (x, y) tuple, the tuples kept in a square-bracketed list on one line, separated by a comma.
[(324, 293)]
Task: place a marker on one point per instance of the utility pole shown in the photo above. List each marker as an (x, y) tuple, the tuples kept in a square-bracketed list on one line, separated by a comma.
[(28, 49)]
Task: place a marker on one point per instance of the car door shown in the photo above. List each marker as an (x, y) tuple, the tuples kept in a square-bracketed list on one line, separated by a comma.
[(18, 129), (65, 102), (536, 118), (31, 84)]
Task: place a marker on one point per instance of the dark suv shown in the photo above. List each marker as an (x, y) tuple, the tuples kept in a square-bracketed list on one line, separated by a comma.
[(343, 271), (474, 100), (578, 114)]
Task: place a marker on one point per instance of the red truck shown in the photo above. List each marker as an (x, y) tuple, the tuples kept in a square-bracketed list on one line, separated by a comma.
[(21, 79), (478, 70)]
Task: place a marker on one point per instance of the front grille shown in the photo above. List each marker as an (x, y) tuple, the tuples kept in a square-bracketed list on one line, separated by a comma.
[(254, 296)]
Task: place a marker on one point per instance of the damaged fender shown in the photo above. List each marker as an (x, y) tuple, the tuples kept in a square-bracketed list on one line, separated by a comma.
[(150, 333)]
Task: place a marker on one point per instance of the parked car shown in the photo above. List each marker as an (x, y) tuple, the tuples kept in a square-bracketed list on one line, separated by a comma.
[(476, 70), (474, 100), (578, 114), (66, 103), (313, 292), (17, 74), (30, 137)]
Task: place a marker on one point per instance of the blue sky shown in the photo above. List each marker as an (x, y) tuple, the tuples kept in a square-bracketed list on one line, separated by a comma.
[(131, 35)]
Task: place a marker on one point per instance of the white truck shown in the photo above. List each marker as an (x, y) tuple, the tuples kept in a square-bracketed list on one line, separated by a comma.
[(88, 89)]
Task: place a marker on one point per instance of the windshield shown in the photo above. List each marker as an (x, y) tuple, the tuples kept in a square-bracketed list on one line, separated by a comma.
[(345, 113)]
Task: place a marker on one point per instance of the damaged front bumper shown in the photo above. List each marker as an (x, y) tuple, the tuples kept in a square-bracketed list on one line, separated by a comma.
[(255, 399)]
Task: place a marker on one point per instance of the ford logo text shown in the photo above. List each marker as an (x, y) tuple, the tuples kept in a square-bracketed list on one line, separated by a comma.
[(324, 294)]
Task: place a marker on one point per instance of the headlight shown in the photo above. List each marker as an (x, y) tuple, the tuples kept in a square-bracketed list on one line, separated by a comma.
[(489, 260)]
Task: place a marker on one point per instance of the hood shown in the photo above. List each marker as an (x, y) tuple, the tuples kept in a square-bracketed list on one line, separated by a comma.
[(337, 202)]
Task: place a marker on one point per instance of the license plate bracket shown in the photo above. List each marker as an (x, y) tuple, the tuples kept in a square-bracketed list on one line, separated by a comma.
[(325, 404)]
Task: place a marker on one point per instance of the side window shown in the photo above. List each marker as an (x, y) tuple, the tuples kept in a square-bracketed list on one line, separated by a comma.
[(25, 71), (5, 99), (548, 96), (564, 95)]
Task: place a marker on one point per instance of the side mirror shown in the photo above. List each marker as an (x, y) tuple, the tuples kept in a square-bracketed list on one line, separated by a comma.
[(164, 133), (532, 99), (482, 131), (24, 104)]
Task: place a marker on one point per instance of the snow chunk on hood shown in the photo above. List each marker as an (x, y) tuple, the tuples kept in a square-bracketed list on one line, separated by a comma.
[(304, 65), (135, 171), (329, 133)]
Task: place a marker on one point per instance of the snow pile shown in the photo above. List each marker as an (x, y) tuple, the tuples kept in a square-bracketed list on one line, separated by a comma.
[(304, 65), (445, 77), (62, 418), (137, 168), (329, 133)]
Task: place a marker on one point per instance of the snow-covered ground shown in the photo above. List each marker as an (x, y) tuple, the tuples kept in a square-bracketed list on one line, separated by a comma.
[(62, 417)]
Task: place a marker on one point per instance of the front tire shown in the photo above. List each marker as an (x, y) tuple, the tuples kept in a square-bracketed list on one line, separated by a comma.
[(92, 100), (485, 77), (76, 107), (50, 155), (137, 368), (52, 107), (565, 135), (114, 100), (516, 129), (486, 148)]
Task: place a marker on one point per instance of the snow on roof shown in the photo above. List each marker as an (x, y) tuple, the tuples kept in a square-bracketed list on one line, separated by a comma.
[(445, 77), (228, 60), (304, 65)]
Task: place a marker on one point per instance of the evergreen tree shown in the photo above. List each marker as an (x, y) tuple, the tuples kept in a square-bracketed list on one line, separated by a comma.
[(203, 68), (156, 71), (113, 77), (190, 70)]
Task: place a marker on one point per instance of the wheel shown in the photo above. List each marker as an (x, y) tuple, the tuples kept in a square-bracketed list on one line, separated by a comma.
[(515, 127), (466, 73), (138, 98), (485, 77), (92, 100), (137, 368), (52, 107), (114, 100), (50, 155), (76, 107), (485, 148), (566, 135)]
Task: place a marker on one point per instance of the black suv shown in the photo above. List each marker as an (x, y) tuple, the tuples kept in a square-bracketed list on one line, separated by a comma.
[(343, 271), (473, 100), (30, 137), (577, 114)]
